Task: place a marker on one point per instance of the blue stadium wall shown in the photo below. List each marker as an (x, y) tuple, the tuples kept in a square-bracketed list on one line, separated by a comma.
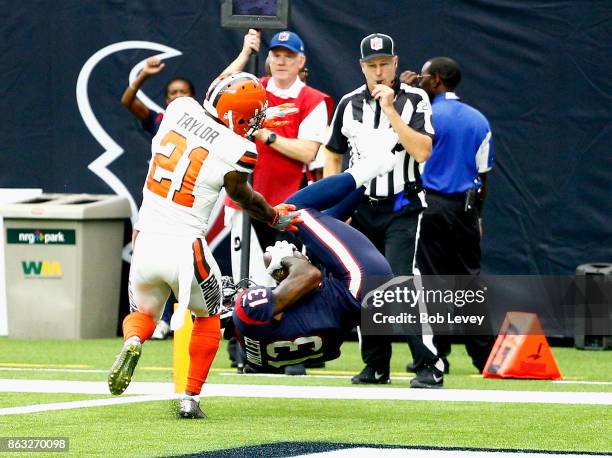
[(540, 71)]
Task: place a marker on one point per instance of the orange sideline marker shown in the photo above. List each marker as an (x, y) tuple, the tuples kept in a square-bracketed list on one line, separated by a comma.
[(521, 350)]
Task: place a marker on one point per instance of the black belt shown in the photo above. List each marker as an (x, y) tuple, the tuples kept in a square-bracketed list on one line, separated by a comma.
[(378, 201), (411, 190), (458, 196)]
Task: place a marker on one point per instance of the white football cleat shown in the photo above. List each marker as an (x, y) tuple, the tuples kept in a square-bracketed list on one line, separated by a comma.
[(189, 407)]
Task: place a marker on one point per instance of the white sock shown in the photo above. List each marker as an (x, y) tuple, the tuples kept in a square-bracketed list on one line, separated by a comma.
[(133, 339), (196, 397)]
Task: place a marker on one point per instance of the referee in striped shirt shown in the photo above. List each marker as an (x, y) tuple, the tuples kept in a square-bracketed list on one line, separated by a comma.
[(389, 211)]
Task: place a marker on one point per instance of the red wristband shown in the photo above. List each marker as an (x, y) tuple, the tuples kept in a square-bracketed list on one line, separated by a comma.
[(275, 219)]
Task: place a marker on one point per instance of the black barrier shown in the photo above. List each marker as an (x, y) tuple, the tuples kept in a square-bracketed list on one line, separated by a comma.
[(594, 282)]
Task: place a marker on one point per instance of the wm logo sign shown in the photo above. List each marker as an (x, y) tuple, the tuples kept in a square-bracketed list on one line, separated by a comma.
[(42, 269)]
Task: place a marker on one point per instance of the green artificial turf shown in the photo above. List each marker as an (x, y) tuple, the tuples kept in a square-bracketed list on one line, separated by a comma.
[(152, 429), (156, 365), (26, 399)]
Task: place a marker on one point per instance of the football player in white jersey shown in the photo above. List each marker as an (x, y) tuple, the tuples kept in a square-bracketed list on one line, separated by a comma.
[(197, 151)]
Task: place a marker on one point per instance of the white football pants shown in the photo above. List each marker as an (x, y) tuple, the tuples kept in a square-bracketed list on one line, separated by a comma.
[(161, 263)]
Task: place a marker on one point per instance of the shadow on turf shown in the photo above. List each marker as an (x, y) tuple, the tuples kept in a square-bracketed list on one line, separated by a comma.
[(288, 449)]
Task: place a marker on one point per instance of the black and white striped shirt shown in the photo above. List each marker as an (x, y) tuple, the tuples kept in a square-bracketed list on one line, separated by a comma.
[(414, 108)]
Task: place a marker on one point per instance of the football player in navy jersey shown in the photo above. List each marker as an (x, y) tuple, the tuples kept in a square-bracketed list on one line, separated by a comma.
[(317, 299)]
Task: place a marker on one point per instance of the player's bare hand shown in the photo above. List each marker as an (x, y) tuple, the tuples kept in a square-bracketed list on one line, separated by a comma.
[(409, 77), (153, 65), (252, 40), (285, 218), (384, 94)]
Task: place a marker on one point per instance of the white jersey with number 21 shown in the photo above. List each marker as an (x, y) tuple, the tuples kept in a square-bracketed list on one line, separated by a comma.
[(190, 155)]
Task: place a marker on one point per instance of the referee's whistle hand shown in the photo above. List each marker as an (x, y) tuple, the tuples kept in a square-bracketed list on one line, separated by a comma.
[(384, 94)]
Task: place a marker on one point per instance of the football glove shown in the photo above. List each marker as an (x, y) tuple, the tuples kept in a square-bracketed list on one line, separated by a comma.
[(285, 218), (278, 252)]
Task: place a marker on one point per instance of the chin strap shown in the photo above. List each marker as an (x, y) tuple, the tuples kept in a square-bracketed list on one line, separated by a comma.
[(228, 116)]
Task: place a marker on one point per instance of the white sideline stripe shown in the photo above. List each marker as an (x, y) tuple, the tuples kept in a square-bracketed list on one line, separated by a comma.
[(323, 376), (420, 453), (52, 369), (330, 376), (315, 392), (80, 404), (345, 377), (80, 387)]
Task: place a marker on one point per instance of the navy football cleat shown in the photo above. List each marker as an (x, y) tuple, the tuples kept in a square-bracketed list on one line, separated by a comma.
[(369, 375), (428, 377)]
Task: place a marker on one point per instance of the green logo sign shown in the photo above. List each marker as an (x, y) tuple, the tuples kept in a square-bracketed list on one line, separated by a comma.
[(41, 236), (42, 269)]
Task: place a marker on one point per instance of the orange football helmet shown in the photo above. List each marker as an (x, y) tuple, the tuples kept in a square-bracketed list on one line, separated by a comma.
[(238, 101)]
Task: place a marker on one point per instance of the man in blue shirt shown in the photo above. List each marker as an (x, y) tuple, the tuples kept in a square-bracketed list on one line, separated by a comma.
[(454, 178)]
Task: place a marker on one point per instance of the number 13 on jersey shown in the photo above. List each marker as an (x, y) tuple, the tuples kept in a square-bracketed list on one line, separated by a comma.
[(168, 172)]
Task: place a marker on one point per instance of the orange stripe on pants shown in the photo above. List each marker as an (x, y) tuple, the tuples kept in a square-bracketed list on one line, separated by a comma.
[(200, 261)]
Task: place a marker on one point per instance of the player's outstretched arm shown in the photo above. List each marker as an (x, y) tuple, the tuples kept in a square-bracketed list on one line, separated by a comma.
[(303, 278), (282, 217), (238, 188)]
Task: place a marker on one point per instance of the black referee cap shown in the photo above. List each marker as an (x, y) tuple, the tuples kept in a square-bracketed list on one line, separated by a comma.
[(377, 45)]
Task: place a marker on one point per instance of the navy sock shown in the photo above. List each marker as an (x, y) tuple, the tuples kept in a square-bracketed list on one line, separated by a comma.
[(324, 193)]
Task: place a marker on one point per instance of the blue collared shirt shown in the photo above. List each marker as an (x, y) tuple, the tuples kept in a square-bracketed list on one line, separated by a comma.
[(462, 146)]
